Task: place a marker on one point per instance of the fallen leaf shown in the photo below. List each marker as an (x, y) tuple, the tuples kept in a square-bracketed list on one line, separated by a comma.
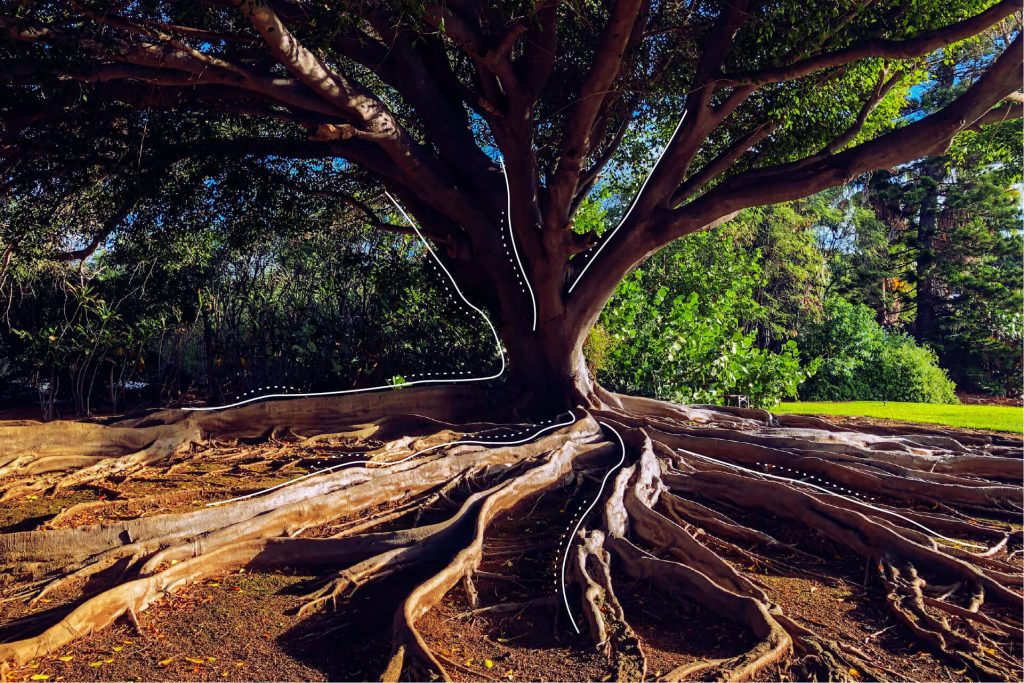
[(502, 640), (108, 661), (66, 658), (489, 664), (195, 660), (854, 673), (211, 659), (40, 677), (165, 662), (117, 648), (94, 664)]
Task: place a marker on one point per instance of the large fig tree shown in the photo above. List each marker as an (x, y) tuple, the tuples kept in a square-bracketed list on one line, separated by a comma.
[(490, 122)]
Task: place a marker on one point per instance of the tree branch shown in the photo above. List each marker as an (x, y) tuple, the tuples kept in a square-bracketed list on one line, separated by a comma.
[(592, 95), (927, 136), (918, 46), (722, 162), (699, 117)]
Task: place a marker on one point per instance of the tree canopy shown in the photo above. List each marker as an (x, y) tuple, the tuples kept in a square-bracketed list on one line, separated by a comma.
[(750, 103)]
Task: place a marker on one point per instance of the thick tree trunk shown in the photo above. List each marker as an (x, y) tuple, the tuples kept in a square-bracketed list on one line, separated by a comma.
[(547, 370)]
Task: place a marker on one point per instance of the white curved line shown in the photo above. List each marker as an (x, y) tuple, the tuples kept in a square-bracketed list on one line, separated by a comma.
[(512, 238), (631, 206), (497, 340), (397, 462), (565, 558), (839, 495)]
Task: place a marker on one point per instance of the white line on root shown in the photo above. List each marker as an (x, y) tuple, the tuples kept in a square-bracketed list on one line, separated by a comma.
[(497, 340), (605, 241), (512, 237), (838, 495), (565, 558), (398, 462)]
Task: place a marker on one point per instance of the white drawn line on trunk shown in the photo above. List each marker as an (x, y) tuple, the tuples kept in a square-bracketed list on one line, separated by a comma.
[(568, 547), (386, 465), (497, 340), (512, 237), (631, 206)]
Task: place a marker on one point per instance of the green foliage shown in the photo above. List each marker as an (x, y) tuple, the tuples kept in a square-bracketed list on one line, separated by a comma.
[(86, 342), (859, 360), (674, 330), (278, 290)]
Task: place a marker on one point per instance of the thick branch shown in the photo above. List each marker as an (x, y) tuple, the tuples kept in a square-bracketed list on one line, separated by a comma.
[(785, 182), (920, 45), (592, 96)]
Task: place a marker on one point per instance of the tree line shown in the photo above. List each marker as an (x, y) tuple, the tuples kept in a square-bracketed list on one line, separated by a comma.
[(899, 286)]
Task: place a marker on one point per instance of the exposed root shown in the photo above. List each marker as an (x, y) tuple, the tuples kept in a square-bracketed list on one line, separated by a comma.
[(708, 505)]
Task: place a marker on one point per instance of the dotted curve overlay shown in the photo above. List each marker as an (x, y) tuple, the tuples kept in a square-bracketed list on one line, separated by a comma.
[(453, 379), (838, 495), (605, 241), (512, 238), (572, 535), (478, 442)]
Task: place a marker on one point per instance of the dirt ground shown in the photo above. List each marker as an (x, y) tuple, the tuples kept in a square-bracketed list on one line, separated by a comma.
[(244, 627)]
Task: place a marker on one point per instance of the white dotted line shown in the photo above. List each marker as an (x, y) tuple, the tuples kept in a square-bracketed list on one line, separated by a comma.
[(565, 558), (507, 218), (337, 456), (504, 245), (269, 386), (572, 420), (812, 477), (564, 536), (497, 340), (838, 495)]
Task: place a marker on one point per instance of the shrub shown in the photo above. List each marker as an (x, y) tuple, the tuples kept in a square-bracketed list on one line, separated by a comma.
[(858, 360), (679, 329)]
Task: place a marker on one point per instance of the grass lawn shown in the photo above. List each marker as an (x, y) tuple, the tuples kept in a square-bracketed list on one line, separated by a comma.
[(1000, 418)]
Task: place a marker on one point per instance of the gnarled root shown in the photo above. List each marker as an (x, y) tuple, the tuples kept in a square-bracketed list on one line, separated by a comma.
[(716, 508)]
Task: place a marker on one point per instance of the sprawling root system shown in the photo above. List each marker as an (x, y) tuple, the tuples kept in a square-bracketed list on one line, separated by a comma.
[(680, 499)]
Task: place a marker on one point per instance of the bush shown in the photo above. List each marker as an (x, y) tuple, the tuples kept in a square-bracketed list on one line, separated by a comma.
[(858, 360), (680, 329)]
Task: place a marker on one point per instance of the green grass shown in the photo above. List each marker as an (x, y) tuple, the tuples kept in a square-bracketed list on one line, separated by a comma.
[(999, 418)]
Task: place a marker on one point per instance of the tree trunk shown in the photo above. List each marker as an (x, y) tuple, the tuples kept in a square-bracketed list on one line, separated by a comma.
[(547, 370), (927, 232)]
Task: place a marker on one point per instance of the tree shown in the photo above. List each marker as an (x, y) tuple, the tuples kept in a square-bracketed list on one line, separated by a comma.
[(494, 120), (938, 250)]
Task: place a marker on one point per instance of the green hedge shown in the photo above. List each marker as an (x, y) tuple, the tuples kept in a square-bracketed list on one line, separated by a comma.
[(858, 360)]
